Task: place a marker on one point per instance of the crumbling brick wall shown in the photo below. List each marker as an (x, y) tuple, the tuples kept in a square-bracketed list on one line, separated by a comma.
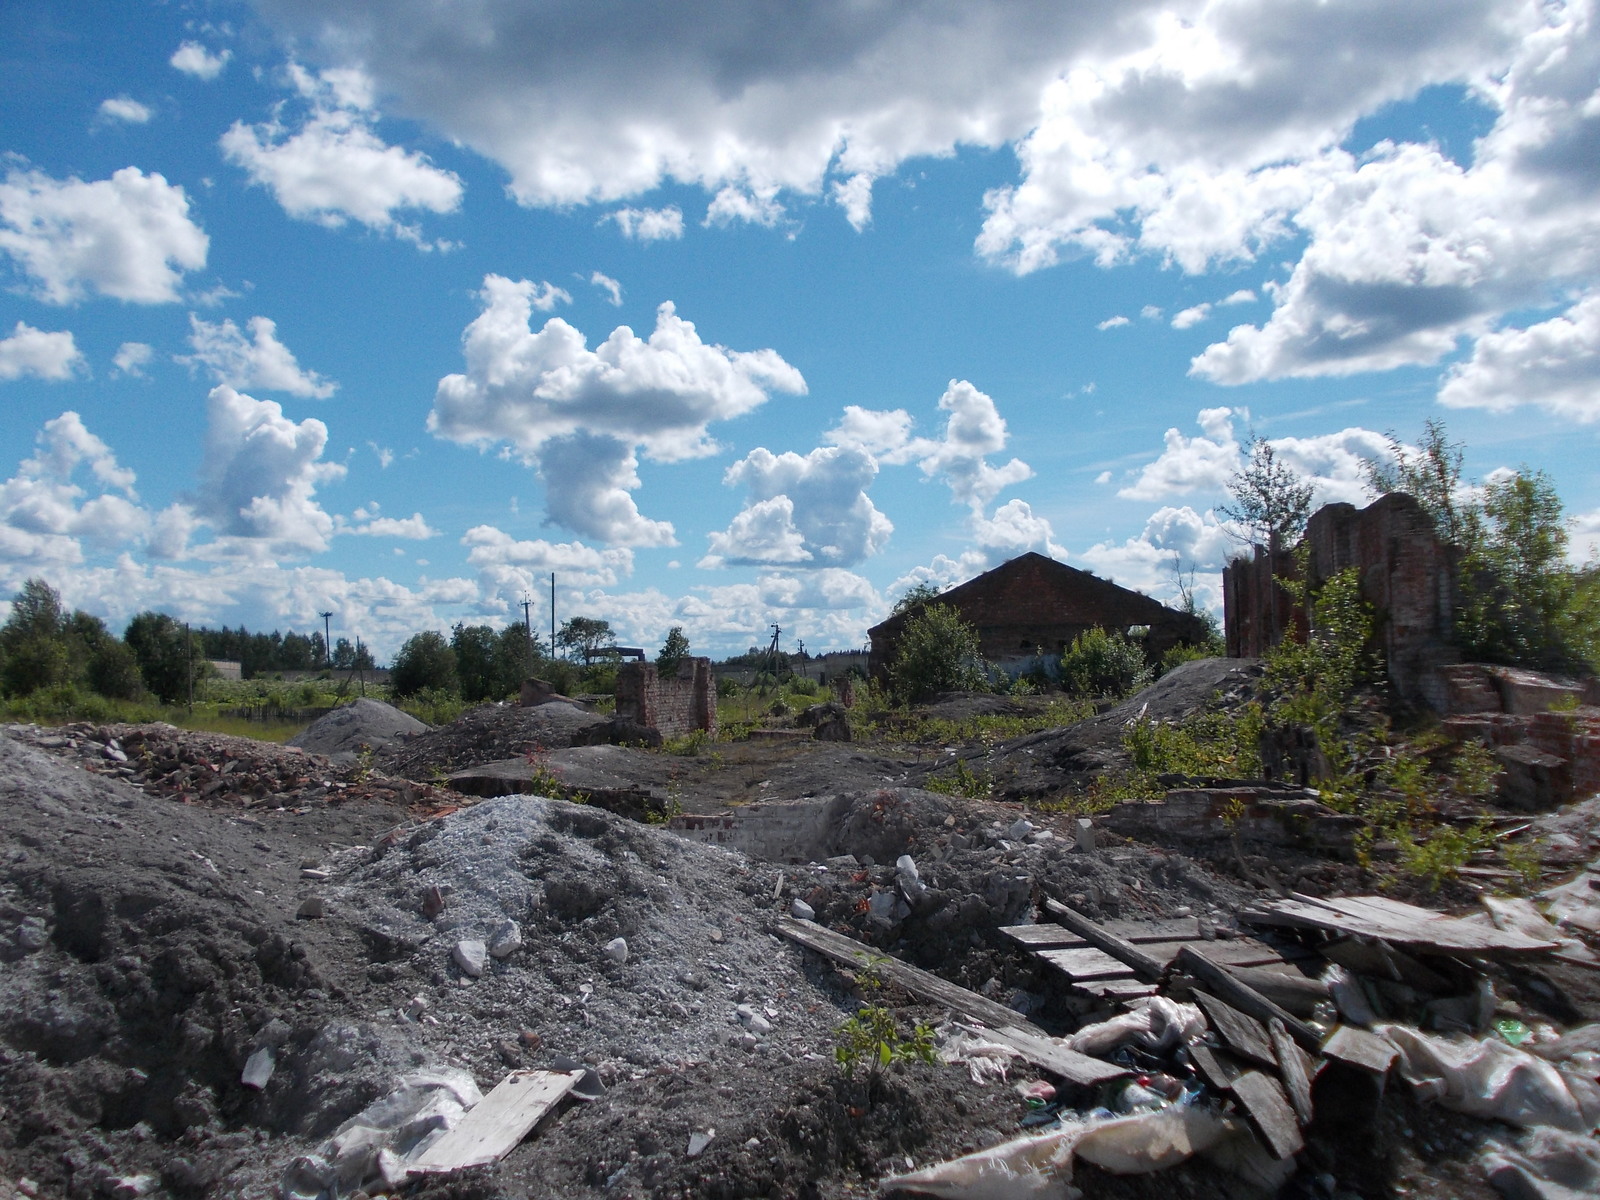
[(1407, 574), (676, 705)]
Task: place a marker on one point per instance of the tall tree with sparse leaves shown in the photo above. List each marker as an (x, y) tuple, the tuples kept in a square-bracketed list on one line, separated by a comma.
[(1271, 501)]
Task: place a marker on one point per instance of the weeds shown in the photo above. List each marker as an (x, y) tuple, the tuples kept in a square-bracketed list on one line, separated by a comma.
[(961, 780), (873, 1036), (1443, 852)]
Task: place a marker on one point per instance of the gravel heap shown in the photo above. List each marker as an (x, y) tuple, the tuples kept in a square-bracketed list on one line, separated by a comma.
[(342, 733), (487, 733)]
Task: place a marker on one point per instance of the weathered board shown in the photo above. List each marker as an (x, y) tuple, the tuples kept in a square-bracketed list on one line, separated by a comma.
[(1518, 915), (1085, 965), (1144, 965), (1243, 1034), (1358, 1048), (1242, 996), (493, 1126), (1267, 1108), (1295, 1068), (1004, 1025), (1417, 929)]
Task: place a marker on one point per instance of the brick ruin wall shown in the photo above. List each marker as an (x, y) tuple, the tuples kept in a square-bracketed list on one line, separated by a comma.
[(675, 705), (1407, 574)]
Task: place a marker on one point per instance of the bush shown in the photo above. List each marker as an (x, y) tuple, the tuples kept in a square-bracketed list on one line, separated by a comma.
[(937, 652), (1099, 663), (426, 662)]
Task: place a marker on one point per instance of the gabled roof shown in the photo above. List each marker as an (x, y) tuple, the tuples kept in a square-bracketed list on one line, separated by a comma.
[(1086, 599)]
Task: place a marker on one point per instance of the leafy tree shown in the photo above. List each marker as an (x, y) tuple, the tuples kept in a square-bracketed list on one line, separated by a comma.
[(33, 647), (1433, 476), (1101, 663), (917, 593), (1270, 499), (474, 647), (673, 651), (166, 655), (426, 662), (937, 652), (517, 655), (344, 655), (585, 635)]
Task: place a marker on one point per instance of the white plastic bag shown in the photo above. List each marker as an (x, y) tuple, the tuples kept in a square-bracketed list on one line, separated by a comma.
[(1154, 1022)]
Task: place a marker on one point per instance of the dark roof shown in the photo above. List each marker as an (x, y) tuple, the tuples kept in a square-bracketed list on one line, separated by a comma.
[(1088, 597)]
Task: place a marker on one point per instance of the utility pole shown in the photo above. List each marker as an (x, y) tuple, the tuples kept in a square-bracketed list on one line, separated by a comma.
[(552, 616), (327, 638), (188, 645)]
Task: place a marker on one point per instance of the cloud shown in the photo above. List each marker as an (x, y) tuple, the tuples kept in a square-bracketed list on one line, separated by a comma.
[(1191, 317), (522, 568), (1113, 323), (1553, 365), (582, 414), (1190, 464), (29, 351), (809, 510), (819, 100), (1172, 538), (259, 361), (1150, 312), (609, 286), (412, 529), (194, 59), (125, 109), (260, 475), (128, 237), (973, 431), (1333, 463), (1014, 529), (45, 514), (649, 224), (131, 358), (333, 168), (1242, 296)]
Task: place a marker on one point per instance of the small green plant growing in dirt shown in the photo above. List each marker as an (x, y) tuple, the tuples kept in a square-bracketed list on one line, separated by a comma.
[(1475, 770), (961, 780), (1441, 854), (1526, 861), (362, 771), (544, 778), (689, 745), (873, 1037)]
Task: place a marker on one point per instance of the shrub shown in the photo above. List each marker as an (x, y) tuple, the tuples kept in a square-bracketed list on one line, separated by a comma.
[(937, 652), (425, 663), (1099, 663)]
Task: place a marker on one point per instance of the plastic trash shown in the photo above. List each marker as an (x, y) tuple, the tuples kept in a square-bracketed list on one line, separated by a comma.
[(1155, 1024), (1039, 1166), (984, 1059), (1547, 1164), (1513, 1030), (1350, 997), (1488, 1078), (369, 1150)]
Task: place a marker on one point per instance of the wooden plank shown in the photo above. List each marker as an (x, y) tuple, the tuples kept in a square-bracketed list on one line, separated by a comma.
[(1358, 1048), (1294, 1068), (1118, 990), (493, 1126), (1085, 965), (1242, 996), (1217, 1068), (1267, 1109), (1243, 1034), (1384, 961), (1028, 1040), (1144, 966), (1518, 915), (1043, 937), (1419, 929)]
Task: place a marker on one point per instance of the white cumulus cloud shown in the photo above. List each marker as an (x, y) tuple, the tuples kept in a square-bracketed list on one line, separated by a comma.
[(194, 59), (260, 476), (46, 515), (1553, 365), (581, 415), (1191, 317), (333, 168), (29, 351), (649, 224), (125, 109), (131, 358), (257, 361), (128, 237), (611, 287), (810, 510)]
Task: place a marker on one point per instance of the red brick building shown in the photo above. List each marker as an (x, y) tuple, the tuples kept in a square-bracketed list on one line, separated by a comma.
[(1034, 605)]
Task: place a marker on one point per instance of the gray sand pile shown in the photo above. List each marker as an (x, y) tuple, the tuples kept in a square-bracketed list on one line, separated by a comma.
[(342, 733)]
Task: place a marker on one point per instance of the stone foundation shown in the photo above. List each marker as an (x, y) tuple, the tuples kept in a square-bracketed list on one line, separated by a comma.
[(676, 705)]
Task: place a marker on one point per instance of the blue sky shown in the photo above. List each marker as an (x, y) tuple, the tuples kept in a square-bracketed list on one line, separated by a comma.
[(740, 313)]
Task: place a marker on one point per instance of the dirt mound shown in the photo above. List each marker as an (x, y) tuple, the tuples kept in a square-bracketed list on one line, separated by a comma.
[(485, 734), (363, 723), (1043, 764)]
